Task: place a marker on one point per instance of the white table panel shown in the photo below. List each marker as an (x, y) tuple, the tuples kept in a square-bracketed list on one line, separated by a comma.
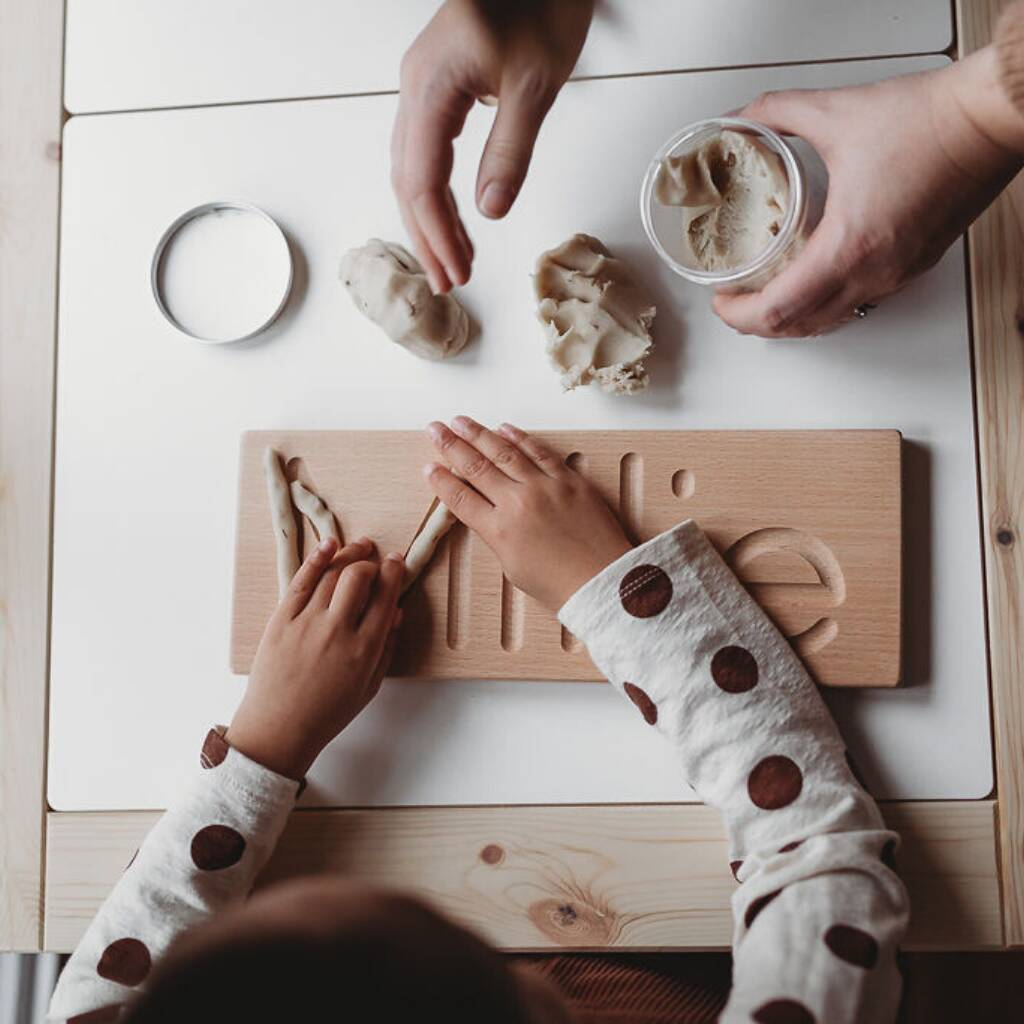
[(150, 53), (148, 427)]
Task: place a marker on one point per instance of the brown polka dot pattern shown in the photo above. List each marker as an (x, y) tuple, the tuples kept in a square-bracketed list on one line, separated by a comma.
[(734, 670), (215, 749), (783, 1011), (790, 847), (888, 854), (734, 867), (126, 961), (103, 1015), (775, 782), (645, 591), (217, 847), (756, 906), (852, 945), (647, 706)]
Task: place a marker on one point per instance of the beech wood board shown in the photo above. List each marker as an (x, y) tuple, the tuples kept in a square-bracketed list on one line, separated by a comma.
[(809, 521)]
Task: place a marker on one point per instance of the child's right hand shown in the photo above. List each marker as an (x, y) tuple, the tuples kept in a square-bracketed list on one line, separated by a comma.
[(549, 527)]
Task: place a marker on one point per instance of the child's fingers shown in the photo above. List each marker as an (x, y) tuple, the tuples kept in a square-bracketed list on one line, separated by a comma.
[(321, 596), (544, 458), (353, 591), (507, 457), (468, 462), (305, 580), (380, 610), (384, 661), (467, 505)]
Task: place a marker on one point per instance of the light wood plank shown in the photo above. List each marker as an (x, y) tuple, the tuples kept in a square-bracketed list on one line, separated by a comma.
[(31, 48), (814, 532), (996, 245), (628, 877)]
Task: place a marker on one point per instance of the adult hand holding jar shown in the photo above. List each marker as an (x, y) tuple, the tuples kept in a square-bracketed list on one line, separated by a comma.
[(912, 162)]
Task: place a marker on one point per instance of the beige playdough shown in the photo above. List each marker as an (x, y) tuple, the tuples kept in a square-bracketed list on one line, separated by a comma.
[(389, 286), (734, 193), (282, 519), (597, 319), (438, 522), (312, 507)]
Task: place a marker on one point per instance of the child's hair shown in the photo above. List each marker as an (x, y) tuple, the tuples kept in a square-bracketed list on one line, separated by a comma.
[(387, 958)]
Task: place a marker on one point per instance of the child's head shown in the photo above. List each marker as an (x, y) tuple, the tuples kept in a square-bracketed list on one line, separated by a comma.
[(323, 949)]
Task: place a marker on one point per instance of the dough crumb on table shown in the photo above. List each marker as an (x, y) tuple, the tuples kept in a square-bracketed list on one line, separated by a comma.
[(390, 287), (597, 319), (734, 193)]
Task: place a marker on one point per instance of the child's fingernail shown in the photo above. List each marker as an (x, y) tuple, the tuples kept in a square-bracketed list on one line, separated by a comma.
[(435, 430), (461, 424), (395, 556), (325, 545), (506, 428), (429, 468)]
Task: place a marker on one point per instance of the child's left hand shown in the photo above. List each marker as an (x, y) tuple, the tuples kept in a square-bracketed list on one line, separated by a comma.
[(548, 525), (322, 656)]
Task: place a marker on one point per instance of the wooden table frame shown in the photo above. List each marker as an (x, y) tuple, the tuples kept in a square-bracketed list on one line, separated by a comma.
[(628, 876)]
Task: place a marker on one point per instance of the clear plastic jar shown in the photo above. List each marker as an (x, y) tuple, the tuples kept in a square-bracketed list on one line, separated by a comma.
[(808, 185)]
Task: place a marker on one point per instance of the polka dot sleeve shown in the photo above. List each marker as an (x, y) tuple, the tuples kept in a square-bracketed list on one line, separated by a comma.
[(202, 856), (819, 911)]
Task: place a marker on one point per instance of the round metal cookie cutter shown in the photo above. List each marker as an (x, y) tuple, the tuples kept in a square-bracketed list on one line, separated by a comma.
[(277, 237)]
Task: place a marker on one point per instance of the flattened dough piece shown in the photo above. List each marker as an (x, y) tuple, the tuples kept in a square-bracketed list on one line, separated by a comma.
[(389, 286), (424, 544), (735, 194), (286, 534), (596, 318), (313, 508)]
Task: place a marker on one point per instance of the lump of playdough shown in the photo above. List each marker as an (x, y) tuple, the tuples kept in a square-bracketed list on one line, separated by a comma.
[(389, 286), (735, 194), (597, 319)]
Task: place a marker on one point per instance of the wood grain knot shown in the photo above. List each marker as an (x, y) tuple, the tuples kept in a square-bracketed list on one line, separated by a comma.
[(570, 923), (492, 854), (1004, 536)]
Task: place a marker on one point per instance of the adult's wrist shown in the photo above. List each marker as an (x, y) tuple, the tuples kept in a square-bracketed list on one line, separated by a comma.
[(982, 94)]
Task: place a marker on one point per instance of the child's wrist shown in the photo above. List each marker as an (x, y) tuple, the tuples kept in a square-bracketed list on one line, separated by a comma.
[(271, 749)]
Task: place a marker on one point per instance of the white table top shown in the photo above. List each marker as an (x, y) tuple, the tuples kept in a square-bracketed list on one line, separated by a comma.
[(150, 53), (148, 425)]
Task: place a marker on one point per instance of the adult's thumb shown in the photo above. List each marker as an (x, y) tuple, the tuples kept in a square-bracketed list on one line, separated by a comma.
[(791, 112)]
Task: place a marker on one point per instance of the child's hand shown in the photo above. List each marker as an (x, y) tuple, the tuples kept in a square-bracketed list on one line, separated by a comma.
[(322, 656), (548, 526)]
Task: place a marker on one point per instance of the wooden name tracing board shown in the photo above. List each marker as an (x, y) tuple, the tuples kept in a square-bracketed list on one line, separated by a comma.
[(808, 520)]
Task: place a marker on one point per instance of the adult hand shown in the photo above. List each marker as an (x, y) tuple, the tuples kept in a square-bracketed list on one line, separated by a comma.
[(549, 527), (322, 656), (912, 162), (522, 53)]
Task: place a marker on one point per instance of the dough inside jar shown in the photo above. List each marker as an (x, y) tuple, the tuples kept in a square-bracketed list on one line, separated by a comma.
[(734, 194), (596, 318)]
